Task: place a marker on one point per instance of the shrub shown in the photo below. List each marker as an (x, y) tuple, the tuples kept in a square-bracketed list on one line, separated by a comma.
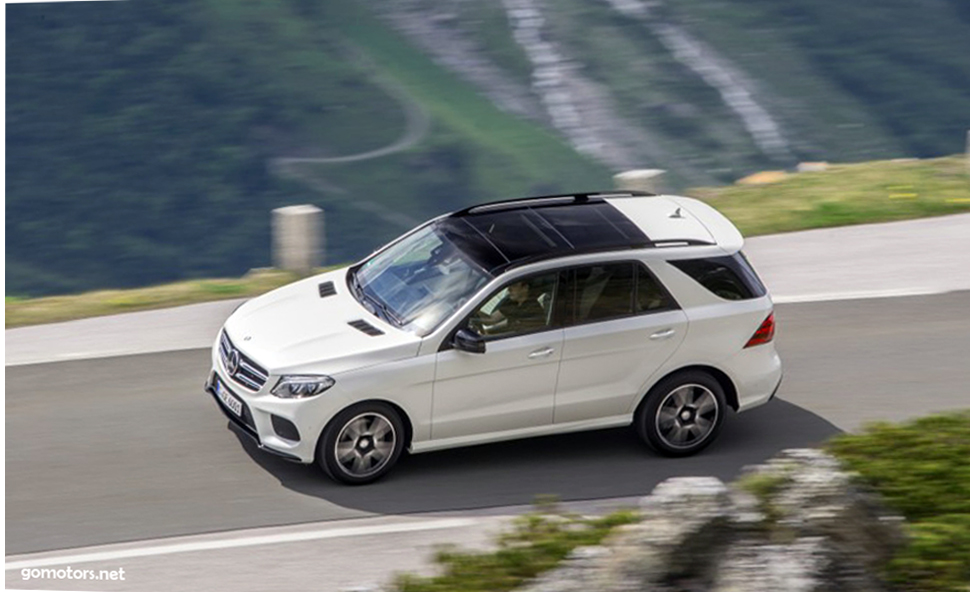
[(538, 543), (922, 469)]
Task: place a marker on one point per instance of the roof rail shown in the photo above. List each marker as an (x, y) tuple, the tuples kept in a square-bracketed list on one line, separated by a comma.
[(689, 242), (524, 202)]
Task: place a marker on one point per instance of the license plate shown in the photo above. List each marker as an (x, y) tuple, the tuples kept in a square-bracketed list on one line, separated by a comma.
[(234, 404)]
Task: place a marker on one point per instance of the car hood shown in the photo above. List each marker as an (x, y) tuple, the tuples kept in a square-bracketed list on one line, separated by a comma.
[(294, 329)]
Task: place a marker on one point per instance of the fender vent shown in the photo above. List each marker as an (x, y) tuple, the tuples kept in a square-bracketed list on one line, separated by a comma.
[(327, 289), (365, 327)]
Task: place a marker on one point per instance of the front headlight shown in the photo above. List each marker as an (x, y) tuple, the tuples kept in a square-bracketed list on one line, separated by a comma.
[(301, 387)]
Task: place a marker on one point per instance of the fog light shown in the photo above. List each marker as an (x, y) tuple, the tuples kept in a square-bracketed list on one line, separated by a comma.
[(285, 429)]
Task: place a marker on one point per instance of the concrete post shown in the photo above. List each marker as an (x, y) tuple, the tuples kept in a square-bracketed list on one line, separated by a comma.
[(649, 180), (298, 238)]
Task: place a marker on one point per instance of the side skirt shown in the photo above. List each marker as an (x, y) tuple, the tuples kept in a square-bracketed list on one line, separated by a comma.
[(546, 430)]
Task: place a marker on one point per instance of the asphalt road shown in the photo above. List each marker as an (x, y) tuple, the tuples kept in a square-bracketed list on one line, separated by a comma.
[(129, 448)]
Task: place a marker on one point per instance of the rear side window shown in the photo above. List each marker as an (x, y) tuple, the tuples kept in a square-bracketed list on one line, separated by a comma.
[(611, 291), (651, 296), (730, 277), (603, 292)]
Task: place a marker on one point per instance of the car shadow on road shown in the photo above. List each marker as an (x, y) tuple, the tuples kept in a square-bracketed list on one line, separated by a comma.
[(581, 466)]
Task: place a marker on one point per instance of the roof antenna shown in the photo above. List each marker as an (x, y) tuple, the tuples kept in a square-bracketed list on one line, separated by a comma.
[(676, 214)]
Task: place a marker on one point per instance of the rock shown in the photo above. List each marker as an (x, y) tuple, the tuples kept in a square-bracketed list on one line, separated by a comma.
[(680, 536), (798, 523), (791, 567), (812, 167), (576, 574), (649, 180)]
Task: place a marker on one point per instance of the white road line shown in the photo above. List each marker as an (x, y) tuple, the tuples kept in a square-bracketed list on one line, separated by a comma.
[(248, 541), (830, 296)]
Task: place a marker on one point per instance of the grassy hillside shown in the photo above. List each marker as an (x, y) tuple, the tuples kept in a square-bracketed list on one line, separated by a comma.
[(140, 137), (854, 80), (475, 152), (844, 81)]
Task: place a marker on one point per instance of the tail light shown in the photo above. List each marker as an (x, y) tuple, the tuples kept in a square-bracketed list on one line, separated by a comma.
[(765, 333)]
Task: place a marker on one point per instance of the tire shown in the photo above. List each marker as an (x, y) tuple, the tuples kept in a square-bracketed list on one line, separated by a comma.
[(361, 443), (682, 414)]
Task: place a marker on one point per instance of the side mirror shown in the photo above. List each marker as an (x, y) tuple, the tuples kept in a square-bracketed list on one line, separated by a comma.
[(469, 341)]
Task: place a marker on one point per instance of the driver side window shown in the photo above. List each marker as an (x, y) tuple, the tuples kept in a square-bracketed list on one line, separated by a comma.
[(526, 305)]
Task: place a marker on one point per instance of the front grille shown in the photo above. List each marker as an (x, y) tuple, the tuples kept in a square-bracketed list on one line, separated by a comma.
[(247, 373)]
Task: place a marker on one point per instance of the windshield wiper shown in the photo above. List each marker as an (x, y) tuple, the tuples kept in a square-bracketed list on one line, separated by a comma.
[(388, 313), (372, 303)]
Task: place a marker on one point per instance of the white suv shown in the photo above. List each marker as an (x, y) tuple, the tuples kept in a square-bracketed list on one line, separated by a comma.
[(507, 320)]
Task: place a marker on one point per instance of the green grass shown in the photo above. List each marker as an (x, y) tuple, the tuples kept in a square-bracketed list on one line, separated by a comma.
[(537, 543), (51, 309), (880, 191), (922, 470)]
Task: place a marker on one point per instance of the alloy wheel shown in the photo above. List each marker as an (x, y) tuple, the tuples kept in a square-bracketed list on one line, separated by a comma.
[(687, 416), (365, 444)]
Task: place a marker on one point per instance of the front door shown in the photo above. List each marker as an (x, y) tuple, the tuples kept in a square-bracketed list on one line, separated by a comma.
[(512, 385)]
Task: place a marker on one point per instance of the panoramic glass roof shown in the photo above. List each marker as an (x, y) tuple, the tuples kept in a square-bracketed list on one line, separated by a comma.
[(497, 237)]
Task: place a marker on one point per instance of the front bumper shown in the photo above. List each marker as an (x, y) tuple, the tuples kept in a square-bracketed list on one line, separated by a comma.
[(244, 422)]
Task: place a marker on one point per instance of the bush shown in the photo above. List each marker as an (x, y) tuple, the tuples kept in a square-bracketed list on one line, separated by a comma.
[(538, 543), (922, 469)]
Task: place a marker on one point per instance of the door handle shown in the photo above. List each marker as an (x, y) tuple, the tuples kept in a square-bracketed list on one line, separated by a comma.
[(663, 334), (541, 353)]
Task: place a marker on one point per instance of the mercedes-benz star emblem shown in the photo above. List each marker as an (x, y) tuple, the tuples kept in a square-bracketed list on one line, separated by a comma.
[(232, 364)]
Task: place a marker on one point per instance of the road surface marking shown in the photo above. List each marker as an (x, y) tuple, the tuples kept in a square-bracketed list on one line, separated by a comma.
[(245, 541), (829, 296)]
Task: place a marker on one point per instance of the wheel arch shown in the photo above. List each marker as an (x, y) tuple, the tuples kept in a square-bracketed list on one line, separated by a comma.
[(730, 390), (405, 419)]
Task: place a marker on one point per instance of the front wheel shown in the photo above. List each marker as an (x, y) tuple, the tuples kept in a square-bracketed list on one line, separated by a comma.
[(361, 443), (682, 413)]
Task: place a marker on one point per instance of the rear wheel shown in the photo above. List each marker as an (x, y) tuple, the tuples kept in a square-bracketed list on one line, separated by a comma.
[(682, 413), (362, 443)]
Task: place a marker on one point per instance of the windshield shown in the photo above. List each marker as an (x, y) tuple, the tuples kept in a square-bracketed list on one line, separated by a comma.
[(420, 281)]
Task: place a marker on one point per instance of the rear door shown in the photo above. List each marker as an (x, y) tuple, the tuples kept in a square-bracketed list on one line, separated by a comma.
[(620, 326)]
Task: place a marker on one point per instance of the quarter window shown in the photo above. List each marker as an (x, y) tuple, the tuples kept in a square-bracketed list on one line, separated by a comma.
[(730, 277)]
